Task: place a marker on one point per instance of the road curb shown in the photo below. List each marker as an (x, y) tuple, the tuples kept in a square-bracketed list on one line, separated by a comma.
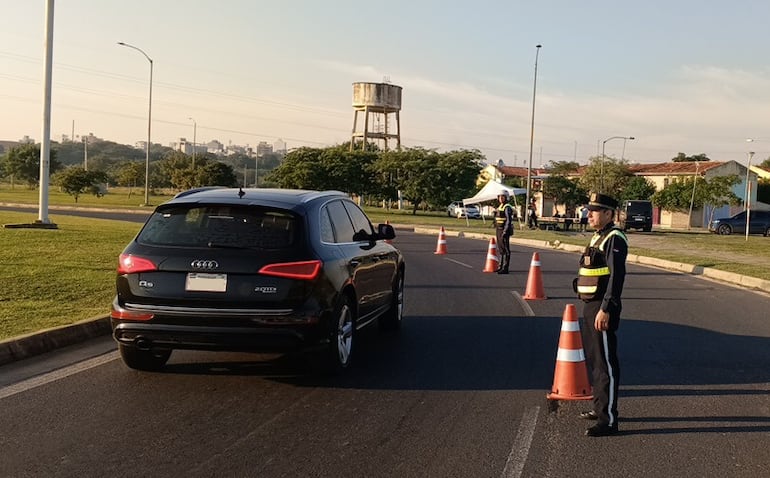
[(36, 343)]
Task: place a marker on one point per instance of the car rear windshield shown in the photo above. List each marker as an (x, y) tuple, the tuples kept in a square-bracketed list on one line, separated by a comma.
[(638, 208), (222, 226)]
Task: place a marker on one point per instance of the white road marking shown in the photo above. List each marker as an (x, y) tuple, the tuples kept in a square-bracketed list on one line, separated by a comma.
[(49, 377), (459, 263), (521, 444), (524, 304)]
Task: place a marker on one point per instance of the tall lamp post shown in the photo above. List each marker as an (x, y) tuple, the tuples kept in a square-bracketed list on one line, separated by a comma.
[(149, 128), (532, 132), (601, 167), (747, 197), (195, 132)]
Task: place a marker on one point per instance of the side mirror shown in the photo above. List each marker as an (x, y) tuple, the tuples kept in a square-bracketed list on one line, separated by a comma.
[(385, 231)]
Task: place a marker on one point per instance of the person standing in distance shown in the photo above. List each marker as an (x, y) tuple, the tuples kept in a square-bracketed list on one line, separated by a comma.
[(599, 285), (583, 218), (504, 230)]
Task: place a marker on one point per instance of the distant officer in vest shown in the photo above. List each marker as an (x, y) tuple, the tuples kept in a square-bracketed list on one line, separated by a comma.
[(504, 230), (599, 285)]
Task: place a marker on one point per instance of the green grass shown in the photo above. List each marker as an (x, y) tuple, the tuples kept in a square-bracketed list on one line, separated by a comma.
[(115, 198), (57, 277), (61, 276)]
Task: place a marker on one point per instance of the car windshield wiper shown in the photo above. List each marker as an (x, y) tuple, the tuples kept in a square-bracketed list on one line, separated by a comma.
[(219, 245)]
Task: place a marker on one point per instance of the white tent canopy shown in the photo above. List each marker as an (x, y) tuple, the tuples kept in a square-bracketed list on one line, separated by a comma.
[(490, 191)]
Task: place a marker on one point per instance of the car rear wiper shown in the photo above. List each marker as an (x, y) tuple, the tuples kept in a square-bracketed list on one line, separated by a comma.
[(218, 245)]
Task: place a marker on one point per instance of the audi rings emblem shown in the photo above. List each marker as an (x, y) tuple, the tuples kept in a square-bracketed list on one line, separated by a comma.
[(201, 264)]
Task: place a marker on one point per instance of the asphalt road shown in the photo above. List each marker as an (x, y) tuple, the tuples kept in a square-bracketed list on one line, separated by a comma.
[(460, 391)]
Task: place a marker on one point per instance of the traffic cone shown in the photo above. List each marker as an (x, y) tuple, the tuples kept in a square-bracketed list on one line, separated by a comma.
[(535, 280), (441, 245), (570, 377), (388, 241), (493, 263)]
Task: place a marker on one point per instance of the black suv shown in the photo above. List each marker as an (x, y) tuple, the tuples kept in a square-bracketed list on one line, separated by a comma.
[(636, 214), (255, 270), (759, 223)]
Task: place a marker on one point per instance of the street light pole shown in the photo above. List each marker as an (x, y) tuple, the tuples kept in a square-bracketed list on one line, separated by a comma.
[(195, 132), (747, 197), (149, 128), (532, 131), (601, 166)]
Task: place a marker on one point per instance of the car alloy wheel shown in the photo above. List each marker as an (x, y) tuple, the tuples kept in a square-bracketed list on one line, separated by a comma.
[(344, 334), (725, 230)]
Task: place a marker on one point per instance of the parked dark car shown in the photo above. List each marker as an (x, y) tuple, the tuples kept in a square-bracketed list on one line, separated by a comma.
[(636, 214), (255, 270), (759, 223)]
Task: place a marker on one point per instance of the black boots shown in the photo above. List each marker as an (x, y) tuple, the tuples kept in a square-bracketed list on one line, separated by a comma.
[(503, 269)]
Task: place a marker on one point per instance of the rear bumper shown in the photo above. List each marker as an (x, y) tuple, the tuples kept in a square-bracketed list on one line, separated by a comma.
[(152, 327), (162, 336)]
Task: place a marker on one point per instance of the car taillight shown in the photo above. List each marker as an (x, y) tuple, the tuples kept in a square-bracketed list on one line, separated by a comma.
[(129, 264), (123, 314), (305, 270)]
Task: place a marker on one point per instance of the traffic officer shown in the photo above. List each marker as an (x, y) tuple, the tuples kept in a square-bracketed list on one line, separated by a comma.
[(599, 285), (504, 230)]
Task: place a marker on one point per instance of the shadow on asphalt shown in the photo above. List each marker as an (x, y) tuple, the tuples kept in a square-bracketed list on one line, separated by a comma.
[(519, 353)]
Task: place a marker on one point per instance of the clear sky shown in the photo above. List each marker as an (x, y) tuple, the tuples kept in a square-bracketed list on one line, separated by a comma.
[(678, 75)]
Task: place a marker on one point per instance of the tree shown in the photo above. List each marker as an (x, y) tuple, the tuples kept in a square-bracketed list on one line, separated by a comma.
[(130, 175), (637, 187), (611, 173), (563, 168), (411, 169), (696, 191), (301, 169), (563, 189), (455, 176), (75, 181), (718, 192), (681, 158), (215, 173), (23, 163)]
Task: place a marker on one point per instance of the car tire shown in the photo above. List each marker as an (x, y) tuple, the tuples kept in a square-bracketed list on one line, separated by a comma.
[(724, 230), (767, 231), (391, 320), (145, 360), (647, 229), (339, 351)]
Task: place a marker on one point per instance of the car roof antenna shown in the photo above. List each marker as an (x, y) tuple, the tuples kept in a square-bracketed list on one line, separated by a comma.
[(240, 192)]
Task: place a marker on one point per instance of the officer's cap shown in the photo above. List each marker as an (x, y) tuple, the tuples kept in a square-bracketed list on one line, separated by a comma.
[(598, 201), (503, 192)]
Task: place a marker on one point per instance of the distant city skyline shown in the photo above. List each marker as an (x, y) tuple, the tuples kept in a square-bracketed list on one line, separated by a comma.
[(684, 76)]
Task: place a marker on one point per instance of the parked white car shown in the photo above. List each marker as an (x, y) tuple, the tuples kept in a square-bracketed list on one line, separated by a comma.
[(458, 210)]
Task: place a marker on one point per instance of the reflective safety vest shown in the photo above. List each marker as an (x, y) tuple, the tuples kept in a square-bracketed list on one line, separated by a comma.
[(500, 215), (594, 274)]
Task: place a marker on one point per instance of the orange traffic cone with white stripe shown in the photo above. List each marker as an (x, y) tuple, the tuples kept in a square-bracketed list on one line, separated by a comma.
[(570, 377), (534, 289), (441, 245), (492, 261)]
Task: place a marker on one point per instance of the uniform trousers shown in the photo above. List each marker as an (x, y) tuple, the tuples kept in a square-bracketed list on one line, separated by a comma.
[(601, 349), (504, 246)]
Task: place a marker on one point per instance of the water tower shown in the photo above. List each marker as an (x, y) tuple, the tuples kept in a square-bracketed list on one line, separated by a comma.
[(377, 101)]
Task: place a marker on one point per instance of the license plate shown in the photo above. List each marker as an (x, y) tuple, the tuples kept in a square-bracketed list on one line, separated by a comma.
[(638, 218), (201, 282)]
